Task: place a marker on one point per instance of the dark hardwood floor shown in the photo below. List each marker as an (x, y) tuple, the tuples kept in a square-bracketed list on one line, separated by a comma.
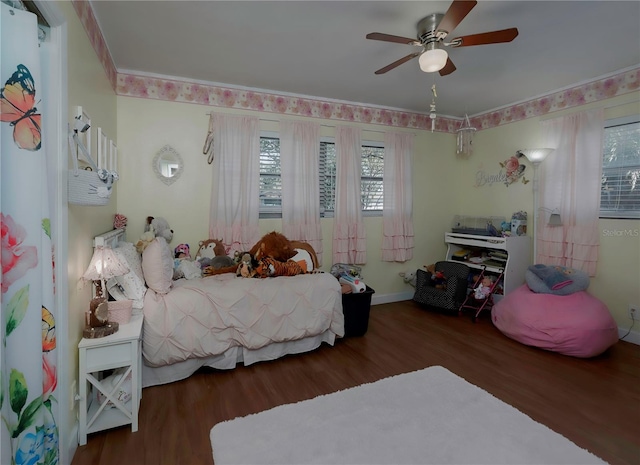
[(595, 402)]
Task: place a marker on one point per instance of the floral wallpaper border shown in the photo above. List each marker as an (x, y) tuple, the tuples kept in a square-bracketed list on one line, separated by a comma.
[(88, 20), (188, 92)]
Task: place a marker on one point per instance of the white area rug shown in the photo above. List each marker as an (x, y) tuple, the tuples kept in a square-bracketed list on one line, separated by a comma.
[(427, 416)]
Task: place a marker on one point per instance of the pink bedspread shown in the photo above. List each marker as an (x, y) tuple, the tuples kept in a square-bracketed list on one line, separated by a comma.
[(204, 317)]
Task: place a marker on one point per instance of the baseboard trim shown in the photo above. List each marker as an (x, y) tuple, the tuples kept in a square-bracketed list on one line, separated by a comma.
[(390, 298), (633, 336)]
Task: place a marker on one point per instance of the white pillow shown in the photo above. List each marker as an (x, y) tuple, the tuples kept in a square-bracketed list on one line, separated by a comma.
[(157, 265), (131, 285), (128, 251)]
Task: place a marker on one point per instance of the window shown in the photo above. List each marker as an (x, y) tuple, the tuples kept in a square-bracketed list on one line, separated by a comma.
[(270, 181), (620, 196), (371, 182), (271, 185)]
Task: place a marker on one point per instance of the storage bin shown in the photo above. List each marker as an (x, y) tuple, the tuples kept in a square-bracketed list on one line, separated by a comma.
[(120, 311), (356, 308)]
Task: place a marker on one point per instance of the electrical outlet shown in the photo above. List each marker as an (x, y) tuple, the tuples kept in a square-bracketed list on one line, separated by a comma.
[(634, 312), (74, 393)]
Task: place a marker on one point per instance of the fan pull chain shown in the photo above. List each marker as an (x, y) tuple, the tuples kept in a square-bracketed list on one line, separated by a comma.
[(432, 110)]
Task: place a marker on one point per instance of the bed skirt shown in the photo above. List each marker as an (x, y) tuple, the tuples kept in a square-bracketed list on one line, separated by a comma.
[(154, 376)]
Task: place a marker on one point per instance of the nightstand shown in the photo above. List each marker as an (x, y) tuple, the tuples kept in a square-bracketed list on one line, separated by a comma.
[(119, 350)]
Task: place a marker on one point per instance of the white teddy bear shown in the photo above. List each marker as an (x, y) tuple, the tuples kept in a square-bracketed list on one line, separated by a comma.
[(160, 226), (155, 227), (409, 277)]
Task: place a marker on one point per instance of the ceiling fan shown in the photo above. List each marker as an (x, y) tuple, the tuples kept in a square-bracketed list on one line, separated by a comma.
[(433, 29)]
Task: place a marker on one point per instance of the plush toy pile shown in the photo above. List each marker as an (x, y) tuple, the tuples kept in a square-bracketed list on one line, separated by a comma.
[(273, 255)]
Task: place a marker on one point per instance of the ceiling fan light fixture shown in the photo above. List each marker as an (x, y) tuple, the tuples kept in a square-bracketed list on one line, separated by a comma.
[(433, 59)]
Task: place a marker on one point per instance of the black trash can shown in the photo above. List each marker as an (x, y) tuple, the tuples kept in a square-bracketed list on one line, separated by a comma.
[(356, 308)]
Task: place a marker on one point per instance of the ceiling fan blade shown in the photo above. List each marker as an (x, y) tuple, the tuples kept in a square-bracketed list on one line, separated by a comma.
[(455, 14), (449, 68), (494, 37), (390, 38), (398, 63)]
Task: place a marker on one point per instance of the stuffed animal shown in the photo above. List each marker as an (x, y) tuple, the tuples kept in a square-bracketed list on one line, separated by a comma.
[(274, 245), (160, 227), (186, 268), (270, 267), (409, 277), (304, 251), (484, 288), (155, 227), (182, 251), (183, 266), (211, 254), (147, 238), (245, 268), (438, 279)]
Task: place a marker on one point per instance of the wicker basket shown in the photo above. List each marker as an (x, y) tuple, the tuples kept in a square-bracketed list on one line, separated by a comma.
[(120, 311)]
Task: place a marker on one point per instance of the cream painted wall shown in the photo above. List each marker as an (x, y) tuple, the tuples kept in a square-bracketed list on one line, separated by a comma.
[(88, 87), (618, 277), (444, 185), (145, 126), (443, 188)]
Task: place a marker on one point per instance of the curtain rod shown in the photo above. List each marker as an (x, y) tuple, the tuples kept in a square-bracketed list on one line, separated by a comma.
[(620, 105), (548, 117), (323, 125)]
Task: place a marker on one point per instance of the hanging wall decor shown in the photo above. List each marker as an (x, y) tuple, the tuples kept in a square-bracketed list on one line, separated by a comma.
[(511, 171), (432, 107), (464, 138), (168, 165)]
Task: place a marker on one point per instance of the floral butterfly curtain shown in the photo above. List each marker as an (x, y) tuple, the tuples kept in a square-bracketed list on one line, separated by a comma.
[(28, 375)]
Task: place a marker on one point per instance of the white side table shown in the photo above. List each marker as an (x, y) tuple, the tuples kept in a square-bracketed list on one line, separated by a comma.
[(118, 350)]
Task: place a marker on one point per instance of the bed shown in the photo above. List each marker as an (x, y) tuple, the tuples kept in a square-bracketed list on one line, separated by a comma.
[(220, 321)]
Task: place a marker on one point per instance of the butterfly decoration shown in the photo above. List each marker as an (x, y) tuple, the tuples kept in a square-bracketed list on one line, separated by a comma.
[(17, 100), (48, 330)]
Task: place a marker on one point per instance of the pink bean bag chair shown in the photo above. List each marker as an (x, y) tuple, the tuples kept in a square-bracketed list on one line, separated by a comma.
[(577, 324)]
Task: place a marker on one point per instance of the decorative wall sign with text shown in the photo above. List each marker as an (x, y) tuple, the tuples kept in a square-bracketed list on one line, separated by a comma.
[(511, 170)]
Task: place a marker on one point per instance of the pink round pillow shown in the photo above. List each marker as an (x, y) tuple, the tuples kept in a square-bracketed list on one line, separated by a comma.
[(577, 324)]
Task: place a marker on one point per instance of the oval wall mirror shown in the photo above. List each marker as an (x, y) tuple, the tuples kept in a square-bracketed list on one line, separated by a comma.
[(167, 164)]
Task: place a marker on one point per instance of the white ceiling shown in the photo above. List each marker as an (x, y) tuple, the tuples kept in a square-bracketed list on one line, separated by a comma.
[(318, 48)]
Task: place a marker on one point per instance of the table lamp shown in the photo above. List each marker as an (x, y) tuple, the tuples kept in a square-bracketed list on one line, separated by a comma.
[(104, 265)]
